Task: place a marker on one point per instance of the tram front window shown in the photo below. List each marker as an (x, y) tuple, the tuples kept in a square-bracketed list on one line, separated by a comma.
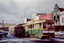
[(50, 26)]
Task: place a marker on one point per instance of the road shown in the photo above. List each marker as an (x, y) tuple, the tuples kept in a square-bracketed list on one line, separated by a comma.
[(58, 38), (12, 39)]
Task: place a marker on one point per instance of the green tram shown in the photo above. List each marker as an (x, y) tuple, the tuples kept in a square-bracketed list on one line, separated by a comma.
[(40, 28)]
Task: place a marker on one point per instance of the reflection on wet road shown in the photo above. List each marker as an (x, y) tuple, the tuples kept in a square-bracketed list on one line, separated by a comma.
[(9, 36), (12, 39), (32, 42)]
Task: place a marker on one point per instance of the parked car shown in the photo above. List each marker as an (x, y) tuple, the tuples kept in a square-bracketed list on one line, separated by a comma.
[(59, 33), (3, 33)]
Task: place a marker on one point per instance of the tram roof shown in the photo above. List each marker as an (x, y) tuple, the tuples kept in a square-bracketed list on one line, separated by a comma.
[(38, 21)]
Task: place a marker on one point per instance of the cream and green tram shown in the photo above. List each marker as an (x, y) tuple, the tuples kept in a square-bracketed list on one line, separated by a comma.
[(40, 28)]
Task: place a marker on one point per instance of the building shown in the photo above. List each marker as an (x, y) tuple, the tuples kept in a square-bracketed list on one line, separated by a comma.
[(26, 20), (10, 27), (6, 26), (35, 16), (58, 17)]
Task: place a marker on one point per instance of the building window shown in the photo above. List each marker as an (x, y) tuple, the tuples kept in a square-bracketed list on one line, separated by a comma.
[(54, 18), (58, 18), (62, 20)]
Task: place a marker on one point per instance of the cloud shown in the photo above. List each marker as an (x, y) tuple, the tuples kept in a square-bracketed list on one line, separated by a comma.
[(14, 11)]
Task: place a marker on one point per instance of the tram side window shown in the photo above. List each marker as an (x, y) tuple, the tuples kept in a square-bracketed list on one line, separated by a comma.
[(40, 25), (29, 27), (44, 25), (32, 26)]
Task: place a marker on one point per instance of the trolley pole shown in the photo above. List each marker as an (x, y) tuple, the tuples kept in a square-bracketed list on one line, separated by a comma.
[(31, 30), (32, 27)]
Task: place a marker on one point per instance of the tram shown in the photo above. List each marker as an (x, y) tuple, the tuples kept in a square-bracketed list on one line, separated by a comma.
[(19, 31), (40, 28)]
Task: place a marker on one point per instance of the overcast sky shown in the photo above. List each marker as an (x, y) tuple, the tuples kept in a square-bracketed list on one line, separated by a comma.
[(14, 11)]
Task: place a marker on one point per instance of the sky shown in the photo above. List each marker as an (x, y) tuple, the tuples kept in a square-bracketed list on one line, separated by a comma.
[(14, 11)]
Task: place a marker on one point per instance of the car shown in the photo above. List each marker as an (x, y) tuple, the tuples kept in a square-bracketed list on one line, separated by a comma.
[(3, 33), (59, 33)]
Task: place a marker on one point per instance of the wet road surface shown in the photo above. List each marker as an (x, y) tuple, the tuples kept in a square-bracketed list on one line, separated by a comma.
[(32, 42), (12, 39)]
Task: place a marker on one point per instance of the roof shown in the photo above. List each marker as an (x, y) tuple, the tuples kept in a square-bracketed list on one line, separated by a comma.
[(19, 25), (46, 17), (9, 25), (61, 9), (40, 14)]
